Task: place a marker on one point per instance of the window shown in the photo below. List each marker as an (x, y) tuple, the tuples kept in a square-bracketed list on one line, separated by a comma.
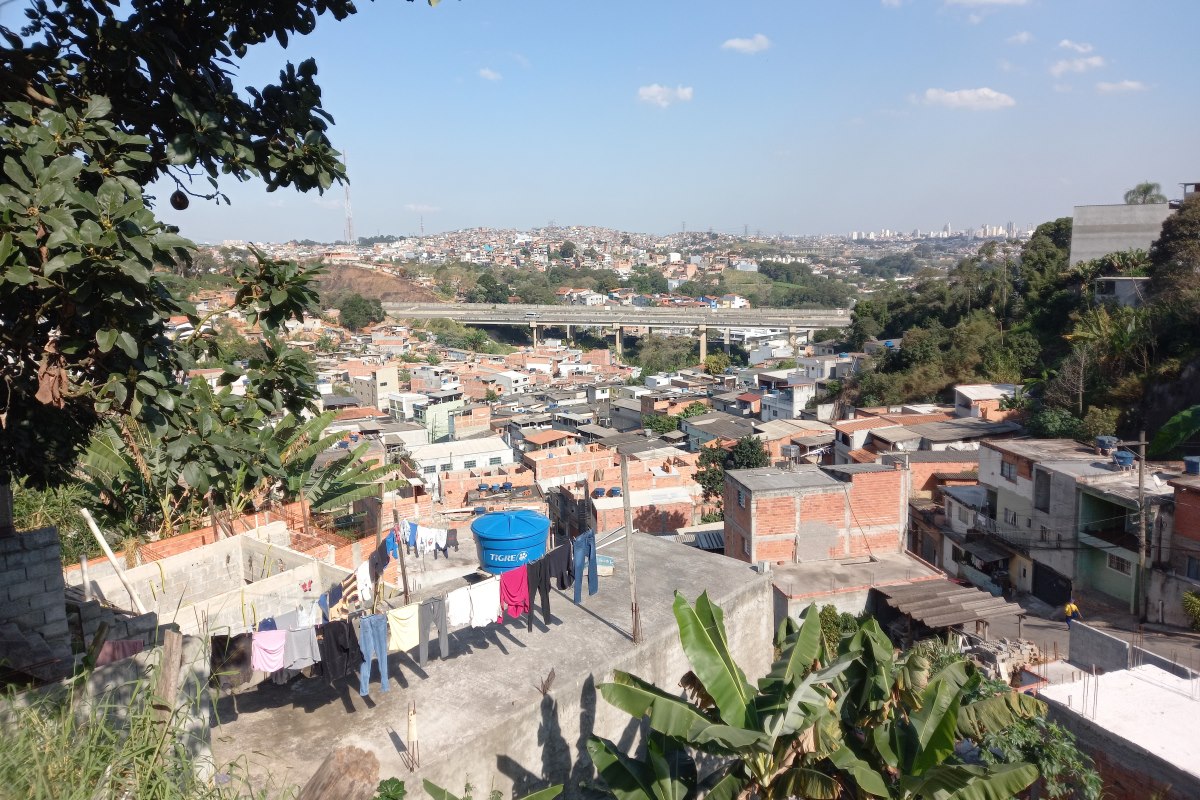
[(1118, 564), (741, 498), (494, 461), (746, 546), (1193, 568), (447, 467), (962, 512), (429, 470), (1008, 470), (1045, 534), (1010, 517), (469, 464)]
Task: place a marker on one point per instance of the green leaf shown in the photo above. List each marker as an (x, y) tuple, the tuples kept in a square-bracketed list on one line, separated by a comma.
[(106, 338), (6, 248), (195, 477), (726, 786), (1175, 431), (997, 713), (97, 107), (866, 778), (935, 725), (675, 718), (702, 633), (18, 274), (127, 344), (799, 652), (549, 793), (806, 783), (626, 778), (62, 168), (966, 782), (437, 792)]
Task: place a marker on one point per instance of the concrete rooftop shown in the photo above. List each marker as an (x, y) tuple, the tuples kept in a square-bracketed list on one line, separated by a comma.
[(480, 714), (1166, 710)]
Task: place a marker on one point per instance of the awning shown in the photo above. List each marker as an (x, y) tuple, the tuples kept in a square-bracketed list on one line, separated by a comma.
[(943, 604), (986, 551)]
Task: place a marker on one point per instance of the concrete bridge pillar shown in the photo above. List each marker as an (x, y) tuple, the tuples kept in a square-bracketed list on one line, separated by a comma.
[(727, 338), (568, 331), (533, 328), (703, 342), (794, 341), (620, 340)]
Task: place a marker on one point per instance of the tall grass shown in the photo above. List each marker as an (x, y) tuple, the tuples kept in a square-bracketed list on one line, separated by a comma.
[(64, 745)]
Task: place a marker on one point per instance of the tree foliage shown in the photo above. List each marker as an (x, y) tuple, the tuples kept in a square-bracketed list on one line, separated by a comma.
[(1145, 193), (357, 312), (853, 721)]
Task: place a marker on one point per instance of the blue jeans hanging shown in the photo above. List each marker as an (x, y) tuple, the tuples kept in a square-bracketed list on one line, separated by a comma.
[(584, 550), (373, 640)]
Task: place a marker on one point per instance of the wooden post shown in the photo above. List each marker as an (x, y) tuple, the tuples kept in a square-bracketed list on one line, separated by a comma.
[(637, 623), (400, 549), (108, 553), (167, 686), (83, 574), (347, 773)]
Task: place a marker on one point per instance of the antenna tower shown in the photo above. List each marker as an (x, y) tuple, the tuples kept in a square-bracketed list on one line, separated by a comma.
[(349, 232)]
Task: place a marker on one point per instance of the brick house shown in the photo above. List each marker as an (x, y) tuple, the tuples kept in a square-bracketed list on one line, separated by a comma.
[(812, 513)]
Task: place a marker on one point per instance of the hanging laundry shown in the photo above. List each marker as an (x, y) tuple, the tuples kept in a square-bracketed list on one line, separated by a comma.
[(268, 624), (458, 607), (560, 566), (378, 562), (267, 652), (365, 584), (439, 543), (300, 648), (117, 650), (374, 647), (514, 592), (230, 659), (583, 549), (539, 583), (308, 615), (410, 540), (340, 653), (392, 544), (485, 602), (403, 634), (426, 537), (433, 612)]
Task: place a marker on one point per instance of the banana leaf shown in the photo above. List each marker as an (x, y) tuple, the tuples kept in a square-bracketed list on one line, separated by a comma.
[(968, 782), (702, 634)]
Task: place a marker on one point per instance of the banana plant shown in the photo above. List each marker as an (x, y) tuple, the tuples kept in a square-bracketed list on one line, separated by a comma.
[(823, 724)]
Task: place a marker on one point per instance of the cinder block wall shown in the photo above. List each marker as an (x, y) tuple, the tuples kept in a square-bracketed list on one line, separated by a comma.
[(32, 594)]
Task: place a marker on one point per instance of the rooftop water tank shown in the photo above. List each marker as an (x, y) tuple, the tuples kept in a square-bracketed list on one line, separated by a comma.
[(1191, 465), (1106, 443), (508, 539)]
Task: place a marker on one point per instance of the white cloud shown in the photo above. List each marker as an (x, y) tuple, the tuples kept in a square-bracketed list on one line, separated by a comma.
[(1078, 47), (755, 44), (986, 2), (983, 99), (490, 74), (421, 208), (1060, 68), (1120, 86), (1024, 37), (663, 96)]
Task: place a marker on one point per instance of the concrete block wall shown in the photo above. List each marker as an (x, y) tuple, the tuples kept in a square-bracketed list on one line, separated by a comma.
[(264, 558), (32, 598), (1090, 647), (85, 618)]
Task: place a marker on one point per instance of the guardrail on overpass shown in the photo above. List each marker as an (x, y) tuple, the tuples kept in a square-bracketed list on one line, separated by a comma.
[(623, 316)]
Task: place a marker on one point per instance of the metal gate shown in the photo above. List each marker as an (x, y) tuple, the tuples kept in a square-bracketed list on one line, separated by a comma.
[(1049, 585)]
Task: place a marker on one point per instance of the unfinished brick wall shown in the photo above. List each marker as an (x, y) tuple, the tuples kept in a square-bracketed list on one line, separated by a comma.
[(923, 480), (33, 611)]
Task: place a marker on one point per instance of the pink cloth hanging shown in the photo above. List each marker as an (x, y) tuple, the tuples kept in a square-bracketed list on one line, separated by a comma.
[(267, 650), (514, 592)]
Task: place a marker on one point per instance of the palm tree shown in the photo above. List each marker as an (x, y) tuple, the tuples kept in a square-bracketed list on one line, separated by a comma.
[(1145, 193)]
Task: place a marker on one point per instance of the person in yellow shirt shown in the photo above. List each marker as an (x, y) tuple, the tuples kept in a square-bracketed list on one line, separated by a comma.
[(1072, 612)]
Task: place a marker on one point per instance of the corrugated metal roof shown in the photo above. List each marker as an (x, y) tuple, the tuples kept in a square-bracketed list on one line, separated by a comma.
[(942, 604)]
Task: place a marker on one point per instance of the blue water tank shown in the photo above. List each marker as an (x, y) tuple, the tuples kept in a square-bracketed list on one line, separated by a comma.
[(1191, 465), (508, 539)]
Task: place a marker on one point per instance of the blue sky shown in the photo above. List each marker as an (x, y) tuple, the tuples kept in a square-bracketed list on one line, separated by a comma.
[(783, 115)]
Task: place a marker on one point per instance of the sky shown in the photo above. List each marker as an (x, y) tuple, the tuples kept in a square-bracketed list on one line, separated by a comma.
[(791, 116)]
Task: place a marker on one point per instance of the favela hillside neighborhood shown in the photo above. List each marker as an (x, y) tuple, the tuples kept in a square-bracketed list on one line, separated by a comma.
[(620, 507)]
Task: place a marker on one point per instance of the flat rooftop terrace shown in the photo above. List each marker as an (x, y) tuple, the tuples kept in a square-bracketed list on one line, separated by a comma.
[(480, 713)]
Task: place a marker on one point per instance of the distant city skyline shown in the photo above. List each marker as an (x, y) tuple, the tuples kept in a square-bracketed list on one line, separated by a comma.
[(780, 117)]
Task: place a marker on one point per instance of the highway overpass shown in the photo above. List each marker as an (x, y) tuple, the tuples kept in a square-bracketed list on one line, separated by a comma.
[(619, 318)]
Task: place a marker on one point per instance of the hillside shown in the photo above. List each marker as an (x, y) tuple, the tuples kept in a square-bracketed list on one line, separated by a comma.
[(341, 280)]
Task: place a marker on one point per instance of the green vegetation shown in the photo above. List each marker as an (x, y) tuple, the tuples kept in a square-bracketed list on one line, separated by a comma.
[(68, 747), (746, 453), (656, 354), (454, 334), (1029, 317), (826, 722), (666, 423), (357, 312), (1144, 194), (1191, 607)]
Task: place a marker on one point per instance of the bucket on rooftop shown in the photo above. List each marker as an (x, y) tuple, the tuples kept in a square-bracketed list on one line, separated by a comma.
[(1191, 465), (508, 539)]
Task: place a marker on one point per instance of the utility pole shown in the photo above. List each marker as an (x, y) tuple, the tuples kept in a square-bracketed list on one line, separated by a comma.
[(637, 623), (1136, 604)]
